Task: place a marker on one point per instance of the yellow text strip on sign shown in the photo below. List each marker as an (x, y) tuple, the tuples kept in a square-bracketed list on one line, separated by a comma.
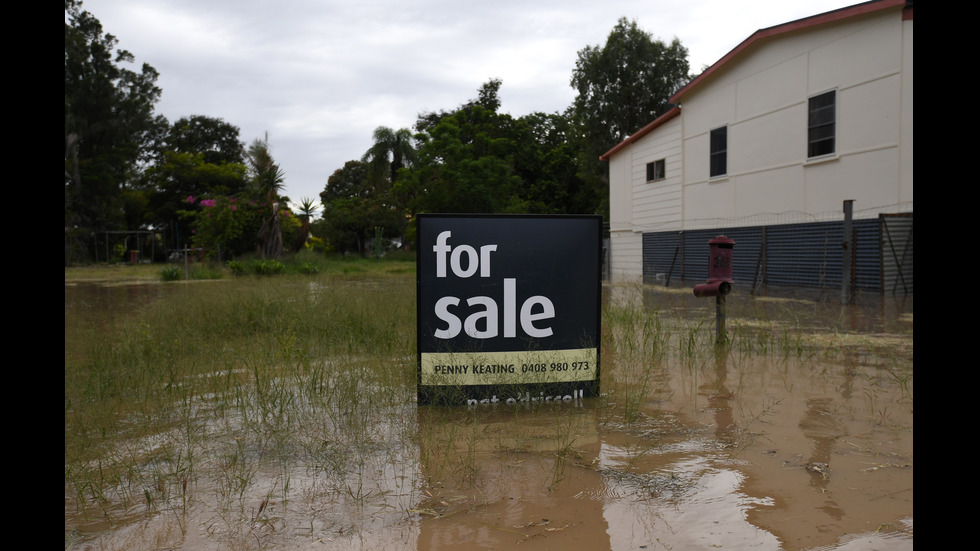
[(509, 368)]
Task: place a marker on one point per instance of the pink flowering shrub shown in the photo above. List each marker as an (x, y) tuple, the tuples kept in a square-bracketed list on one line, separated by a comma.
[(233, 225), (221, 224)]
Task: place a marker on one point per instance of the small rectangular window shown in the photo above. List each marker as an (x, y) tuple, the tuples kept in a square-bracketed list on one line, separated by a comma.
[(655, 171), (719, 151), (821, 124)]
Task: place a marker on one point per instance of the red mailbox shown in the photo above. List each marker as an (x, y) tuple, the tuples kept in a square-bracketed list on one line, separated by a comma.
[(719, 269)]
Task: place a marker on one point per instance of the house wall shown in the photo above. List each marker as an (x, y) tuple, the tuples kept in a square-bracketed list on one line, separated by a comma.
[(905, 147), (627, 256), (762, 96), (636, 198), (763, 99), (658, 201)]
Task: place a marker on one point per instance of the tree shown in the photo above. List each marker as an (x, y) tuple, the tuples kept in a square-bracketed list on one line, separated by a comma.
[(547, 164), (464, 159), (218, 141), (267, 181), (465, 165), (354, 205), (622, 86), (392, 150), (475, 159), (625, 84), (307, 208), (224, 226), (199, 157), (487, 97), (178, 176), (110, 127)]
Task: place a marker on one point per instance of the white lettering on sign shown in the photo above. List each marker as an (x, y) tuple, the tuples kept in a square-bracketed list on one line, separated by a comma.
[(441, 248), (483, 322)]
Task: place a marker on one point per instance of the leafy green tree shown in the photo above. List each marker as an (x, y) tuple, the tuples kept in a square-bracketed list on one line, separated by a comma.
[(218, 141), (488, 97), (349, 181), (476, 160), (465, 159), (621, 86), (110, 129), (547, 164), (179, 176), (354, 205), (466, 164), (199, 157)]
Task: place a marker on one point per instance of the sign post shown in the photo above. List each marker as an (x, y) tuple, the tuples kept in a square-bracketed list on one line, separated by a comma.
[(508, 308)]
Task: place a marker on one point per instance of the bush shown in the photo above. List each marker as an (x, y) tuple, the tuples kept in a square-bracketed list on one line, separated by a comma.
[(309, 268), (237, 268), (170, 273), (227, 224), (267, 267)]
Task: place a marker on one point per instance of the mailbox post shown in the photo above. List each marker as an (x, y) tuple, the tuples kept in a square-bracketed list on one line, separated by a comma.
[(719, 283)]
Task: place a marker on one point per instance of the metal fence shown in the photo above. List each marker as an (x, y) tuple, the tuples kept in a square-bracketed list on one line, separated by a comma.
[(807, 254)]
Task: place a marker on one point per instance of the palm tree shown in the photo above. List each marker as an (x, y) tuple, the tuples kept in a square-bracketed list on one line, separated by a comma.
[(267, 181), (267, 176), (391, 151), (307, 208)]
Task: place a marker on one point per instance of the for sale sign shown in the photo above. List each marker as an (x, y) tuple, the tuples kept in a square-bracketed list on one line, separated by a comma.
[(508, 308)]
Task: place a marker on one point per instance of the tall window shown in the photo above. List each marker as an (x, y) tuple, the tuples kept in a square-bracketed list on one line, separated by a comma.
[(719, 151), (655, 171), (821, 124)]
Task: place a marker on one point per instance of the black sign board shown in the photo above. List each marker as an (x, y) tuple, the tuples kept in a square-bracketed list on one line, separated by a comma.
[(508, 308)]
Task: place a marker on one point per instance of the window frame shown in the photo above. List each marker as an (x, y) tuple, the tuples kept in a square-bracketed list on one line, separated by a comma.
[(652, 170), (718, 152), (821, 128)]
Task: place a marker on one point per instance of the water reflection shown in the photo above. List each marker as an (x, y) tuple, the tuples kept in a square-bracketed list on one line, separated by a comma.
[(501, 475), (761, 449)]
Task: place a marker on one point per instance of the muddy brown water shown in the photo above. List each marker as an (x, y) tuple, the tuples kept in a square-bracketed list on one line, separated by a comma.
[(736, 451)]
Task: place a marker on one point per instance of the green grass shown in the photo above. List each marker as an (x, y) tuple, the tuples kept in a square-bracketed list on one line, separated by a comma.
[(396, 263), (273, 364)]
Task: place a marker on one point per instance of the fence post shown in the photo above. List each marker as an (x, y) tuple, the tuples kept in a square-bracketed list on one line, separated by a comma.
[(846, 254)]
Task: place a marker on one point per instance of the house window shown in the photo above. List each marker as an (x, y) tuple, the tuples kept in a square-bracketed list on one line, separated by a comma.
[(821, 125), (719, 151), (655, 170)]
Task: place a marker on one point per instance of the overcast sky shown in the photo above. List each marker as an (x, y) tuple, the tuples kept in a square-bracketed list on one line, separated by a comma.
[(320, 75)]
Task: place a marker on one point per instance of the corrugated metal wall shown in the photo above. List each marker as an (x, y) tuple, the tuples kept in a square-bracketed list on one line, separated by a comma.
[(795, 255), (804, 255), (663, 257), (896, 253)]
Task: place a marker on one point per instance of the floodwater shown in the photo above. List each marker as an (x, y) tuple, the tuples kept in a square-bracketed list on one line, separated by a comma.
[(759, 445)]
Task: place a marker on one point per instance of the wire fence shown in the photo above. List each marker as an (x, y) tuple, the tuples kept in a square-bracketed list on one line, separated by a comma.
[(771, 219)]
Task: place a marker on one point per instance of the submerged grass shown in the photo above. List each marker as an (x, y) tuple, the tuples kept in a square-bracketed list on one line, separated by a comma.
[(253, 393), (221, 382)]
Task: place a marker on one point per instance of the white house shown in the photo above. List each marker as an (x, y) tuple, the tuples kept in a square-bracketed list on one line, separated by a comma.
[(768, 143)]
